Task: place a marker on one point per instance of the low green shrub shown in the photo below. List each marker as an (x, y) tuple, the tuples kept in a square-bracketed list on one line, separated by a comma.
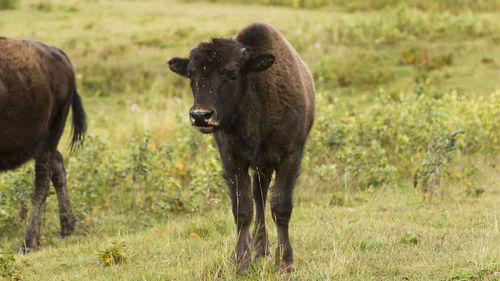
[(44, 6), (9, 4), (398, 136), (10, 270)]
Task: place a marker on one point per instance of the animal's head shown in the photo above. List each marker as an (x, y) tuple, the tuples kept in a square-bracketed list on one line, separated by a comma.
[(218, 74)]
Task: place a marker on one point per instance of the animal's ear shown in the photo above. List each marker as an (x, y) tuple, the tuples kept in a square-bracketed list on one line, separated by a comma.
[(260, 62), (179, 66)]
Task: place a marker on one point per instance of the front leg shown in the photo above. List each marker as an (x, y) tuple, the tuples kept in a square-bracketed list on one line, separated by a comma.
[(236, 174)]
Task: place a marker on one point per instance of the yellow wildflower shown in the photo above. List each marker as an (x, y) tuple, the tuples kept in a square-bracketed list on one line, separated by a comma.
[(179, 166), (108, 260)]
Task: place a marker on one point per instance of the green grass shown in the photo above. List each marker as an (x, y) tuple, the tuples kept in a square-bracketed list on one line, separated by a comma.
[(146, 178), (387, 235)]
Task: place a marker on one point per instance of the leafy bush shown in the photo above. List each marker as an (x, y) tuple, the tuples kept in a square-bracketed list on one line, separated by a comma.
[(420, 57), (396, 136), (44, 6), (16, 189), (437, 157), (143, 175), (8, 4), (10, 270)]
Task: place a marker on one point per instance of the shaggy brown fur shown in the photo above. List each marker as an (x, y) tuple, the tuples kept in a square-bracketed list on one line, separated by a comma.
[(37, 88), (256, 95)]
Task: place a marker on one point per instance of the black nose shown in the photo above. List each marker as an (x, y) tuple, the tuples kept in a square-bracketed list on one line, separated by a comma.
[(200, 117)]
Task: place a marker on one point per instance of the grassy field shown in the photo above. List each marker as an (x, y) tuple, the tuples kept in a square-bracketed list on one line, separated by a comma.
[(394, 81)]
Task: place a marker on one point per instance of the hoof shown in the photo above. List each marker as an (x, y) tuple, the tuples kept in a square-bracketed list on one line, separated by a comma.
[(68, 230), (242, 270), (284, 260), (243, 263), (66, 234), (260, 247), (285, 267), (64, 237)]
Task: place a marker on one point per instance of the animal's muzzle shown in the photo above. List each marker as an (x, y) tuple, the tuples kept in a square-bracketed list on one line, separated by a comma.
[(201, 117)]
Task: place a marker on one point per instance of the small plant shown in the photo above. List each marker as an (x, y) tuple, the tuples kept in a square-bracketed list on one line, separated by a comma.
[(44, 6), (438, 155), (337, 199), (421, 58), (440, 61), (198, 232), (410, 238), (8, 4), (412, 56), (9, 270), (115, 254), (487, 60), (139, 158)]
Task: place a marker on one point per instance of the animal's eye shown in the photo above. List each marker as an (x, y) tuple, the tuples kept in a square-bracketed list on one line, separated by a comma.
[(228, 74)]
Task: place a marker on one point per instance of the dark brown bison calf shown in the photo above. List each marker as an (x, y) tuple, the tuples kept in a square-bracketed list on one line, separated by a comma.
[(37, 88), (256, 95)]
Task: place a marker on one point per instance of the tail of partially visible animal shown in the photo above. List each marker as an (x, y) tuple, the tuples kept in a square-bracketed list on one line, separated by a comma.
[(79, 125)]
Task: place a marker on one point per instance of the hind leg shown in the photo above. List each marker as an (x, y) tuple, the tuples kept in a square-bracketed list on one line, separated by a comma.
[(261, 180), (58, 178), (42, 185)]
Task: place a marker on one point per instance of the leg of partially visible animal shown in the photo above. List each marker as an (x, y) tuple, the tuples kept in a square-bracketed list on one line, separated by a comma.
[(261, 180), (281, 207), (42, 185), (242, 206), (58, 178)]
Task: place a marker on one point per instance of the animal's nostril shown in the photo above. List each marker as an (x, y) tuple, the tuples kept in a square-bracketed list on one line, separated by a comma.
[(200, 117), (201, 114), (208, 114)]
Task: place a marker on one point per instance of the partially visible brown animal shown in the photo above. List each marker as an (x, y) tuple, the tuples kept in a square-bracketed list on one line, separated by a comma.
[(37, 88), (256, 96)]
